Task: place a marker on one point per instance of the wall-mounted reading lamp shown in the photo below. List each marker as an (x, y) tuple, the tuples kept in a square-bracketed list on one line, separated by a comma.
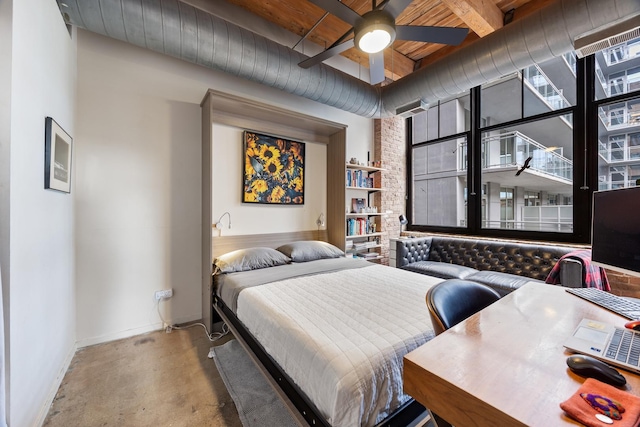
[(403, 221), (320, 223), (219, 221)]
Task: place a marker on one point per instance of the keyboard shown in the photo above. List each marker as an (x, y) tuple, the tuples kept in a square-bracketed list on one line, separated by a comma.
[(622, 306), (624, 347)]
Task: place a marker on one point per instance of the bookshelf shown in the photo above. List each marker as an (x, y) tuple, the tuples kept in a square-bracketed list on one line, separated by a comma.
[(363, 225)]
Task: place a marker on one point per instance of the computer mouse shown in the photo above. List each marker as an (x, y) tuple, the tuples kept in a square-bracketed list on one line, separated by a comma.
[(634, 324), (587, 366)]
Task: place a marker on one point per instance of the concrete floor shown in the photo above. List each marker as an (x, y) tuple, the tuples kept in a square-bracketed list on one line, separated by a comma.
[(155, 379)]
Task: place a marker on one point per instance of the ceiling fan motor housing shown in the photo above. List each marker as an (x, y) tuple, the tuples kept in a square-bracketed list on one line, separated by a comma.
[(375, 20)]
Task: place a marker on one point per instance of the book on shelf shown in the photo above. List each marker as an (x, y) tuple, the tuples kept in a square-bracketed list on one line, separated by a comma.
[(357, 226), (357, 178), (359, 246), (368, 255)]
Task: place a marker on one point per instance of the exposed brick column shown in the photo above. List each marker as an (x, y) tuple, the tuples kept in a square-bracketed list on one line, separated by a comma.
[(390, 149)]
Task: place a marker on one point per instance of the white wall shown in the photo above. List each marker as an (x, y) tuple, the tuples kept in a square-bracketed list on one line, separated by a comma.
[(138, 182), (6, 25), (259, 218), (41, 267)]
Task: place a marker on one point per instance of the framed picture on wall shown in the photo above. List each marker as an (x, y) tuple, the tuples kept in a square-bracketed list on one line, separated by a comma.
[(273, 170), (57, 157)]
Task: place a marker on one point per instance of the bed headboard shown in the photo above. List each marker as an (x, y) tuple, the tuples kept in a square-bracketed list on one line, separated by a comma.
[(223, 244)]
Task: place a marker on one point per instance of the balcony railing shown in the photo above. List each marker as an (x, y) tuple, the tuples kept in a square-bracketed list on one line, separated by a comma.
[(549, 93), (602, 79), (620, 116), (623, 153), (529, 225), (571, 60), (622, 52), (543, 160), (613, 184)]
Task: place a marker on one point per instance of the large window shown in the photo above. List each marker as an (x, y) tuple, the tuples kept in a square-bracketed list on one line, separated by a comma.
[(618, 119), (523, 161), (539, 144), (439, 163), (535, 90), (512, 156), (529, 158), (440, 182)]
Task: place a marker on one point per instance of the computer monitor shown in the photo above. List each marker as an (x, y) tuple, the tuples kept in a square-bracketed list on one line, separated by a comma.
[(615, 232)]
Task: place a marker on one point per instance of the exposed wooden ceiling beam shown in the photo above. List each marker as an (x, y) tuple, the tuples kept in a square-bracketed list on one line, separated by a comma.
[(519, 13), (482, 16)]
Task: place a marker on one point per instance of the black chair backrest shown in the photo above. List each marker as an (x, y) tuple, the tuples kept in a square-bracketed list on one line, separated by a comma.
[(452, 301)]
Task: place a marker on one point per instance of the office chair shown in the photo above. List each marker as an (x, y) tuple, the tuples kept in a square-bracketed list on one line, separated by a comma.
[(452, 301), (449, 303)]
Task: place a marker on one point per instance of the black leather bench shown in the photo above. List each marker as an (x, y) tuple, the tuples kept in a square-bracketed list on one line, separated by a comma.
[(504, 266)]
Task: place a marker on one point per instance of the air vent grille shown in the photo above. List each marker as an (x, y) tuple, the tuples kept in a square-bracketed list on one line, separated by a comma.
[(412, 109), (625, 37), (612, 36)]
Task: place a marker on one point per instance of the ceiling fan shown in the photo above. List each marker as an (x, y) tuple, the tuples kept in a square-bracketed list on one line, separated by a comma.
[(376, 29)]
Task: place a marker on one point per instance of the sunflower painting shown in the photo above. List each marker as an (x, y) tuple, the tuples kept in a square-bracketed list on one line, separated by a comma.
[(273, 170)]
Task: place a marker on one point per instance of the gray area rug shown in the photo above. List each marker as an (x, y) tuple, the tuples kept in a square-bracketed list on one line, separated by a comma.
[(257, 403)]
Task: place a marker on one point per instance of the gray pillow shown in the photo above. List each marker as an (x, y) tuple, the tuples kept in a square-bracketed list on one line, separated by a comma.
[(310, 250), (250, 259)]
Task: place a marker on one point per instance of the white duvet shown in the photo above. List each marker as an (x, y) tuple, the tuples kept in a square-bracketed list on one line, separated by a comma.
[(341, 336)]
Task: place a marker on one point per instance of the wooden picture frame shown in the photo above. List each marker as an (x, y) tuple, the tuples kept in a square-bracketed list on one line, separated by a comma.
[(57, 157), (273, 170)]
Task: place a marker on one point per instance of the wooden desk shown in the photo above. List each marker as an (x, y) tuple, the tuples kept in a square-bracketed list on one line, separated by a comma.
[(506, 366)]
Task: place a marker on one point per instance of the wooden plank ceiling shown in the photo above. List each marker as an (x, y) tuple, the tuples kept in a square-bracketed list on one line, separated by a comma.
[(482, 17)]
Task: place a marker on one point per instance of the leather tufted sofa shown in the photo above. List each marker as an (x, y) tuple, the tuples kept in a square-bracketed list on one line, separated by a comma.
[(504, 266)]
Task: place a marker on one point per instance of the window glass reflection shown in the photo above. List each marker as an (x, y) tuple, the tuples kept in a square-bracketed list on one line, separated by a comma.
[(619, 144), (440, 183), (446, 118), (528, 172), (618, 69)]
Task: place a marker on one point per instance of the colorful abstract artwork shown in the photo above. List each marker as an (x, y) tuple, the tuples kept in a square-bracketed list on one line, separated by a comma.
[(273, 170)]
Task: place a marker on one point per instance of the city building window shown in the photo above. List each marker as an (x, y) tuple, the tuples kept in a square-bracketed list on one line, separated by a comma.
[(446, 118), (619, 122), (440, 183), (529, 158), (531, 198), (618, 69), (506, 209), (520, 170)]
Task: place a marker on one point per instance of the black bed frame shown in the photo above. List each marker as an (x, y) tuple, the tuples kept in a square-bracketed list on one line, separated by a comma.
[(403, 416)]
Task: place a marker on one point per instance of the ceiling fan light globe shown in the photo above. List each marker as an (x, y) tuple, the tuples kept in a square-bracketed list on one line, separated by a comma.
[(375, 31), (374, 41)]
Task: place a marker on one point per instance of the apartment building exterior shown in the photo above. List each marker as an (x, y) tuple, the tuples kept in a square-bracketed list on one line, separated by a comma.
[(527, 165)]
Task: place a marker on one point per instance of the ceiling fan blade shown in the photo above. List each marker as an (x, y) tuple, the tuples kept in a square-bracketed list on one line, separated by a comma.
[(376, 67), (395, 7), (314, 60), (443, 35), (338, 9)]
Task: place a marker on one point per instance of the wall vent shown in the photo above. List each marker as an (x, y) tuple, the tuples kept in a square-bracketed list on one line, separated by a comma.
[(412, 109), (614, 35)]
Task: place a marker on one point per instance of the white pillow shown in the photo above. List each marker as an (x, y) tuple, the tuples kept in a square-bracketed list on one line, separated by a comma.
[(310, 250), (250, 259)]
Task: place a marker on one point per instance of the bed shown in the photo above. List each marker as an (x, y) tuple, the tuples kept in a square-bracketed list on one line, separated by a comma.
[(332, 330)]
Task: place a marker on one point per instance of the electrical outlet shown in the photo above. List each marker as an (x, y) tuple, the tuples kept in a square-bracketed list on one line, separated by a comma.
[(167, 293)]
